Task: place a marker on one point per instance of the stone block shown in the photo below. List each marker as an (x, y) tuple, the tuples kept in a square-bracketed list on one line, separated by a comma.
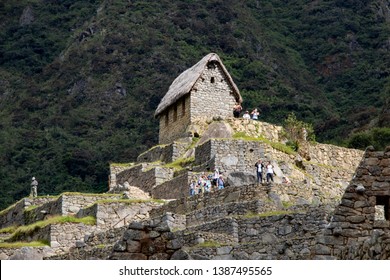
[(120, 246), (347, 203), (128, 256), (224, 250), (174, 244), (159, 256), (331, 240), (133, 246), (322, 249), (356, 219), (131, 234), (361, 204)]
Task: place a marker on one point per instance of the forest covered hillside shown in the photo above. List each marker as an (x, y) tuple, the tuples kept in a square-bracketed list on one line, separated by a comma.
[(80, 80)]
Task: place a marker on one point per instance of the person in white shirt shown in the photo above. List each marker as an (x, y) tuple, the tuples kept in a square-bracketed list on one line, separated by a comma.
[(270, 172), (246, 115), (255, 114)]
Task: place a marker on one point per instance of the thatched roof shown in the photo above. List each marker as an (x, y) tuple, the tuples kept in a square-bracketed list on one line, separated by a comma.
[(184, 83)]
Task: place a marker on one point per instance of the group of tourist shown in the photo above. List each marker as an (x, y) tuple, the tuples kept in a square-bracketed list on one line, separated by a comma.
[(207, 183), (267, 168), (237, 109)]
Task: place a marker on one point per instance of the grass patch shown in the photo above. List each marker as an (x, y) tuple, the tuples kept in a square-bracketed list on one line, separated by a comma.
[(126, 164), (30, 229), (39, 243), (91, 194), (151, 149), (180, 163), (30, 208), (210, 244), (276, 145), (287, 204), (10, 229)]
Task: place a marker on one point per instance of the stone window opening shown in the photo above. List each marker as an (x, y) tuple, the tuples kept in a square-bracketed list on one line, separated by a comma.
[(183, 107), (211, 65), (175, 113), (167, 118), (382, 208), (212, 80)]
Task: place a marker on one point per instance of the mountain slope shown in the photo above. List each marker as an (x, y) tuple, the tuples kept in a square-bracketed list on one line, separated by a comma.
[(80, 80)]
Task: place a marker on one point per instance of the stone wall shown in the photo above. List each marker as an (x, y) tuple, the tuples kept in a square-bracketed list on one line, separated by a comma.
[(65, 236), (217, 198), (118, 214), (176, 188), (15, 215), (73, 203), (60, 236), (202, 103), (255, 128), (354, 222), (272, 237), (331, 155), (212, 95), (164, 153), (174, 121), (150, 240), (67, 204), (276, 236), (144, 178), (230, 155)]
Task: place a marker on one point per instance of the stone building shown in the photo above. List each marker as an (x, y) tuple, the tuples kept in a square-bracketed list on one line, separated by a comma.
[(204, 91)]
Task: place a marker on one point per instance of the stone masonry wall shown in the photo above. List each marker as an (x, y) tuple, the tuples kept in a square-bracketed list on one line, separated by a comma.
[(273, 236), (118, 214), (164, 153), (212, 95), (150, 240), (174, 121), (228, 195), (230, 155), (255, 128), (15, 215), (355, 226), (176, 188), (143, 178)]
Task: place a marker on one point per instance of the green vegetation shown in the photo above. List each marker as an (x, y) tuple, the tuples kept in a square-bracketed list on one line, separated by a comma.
[(80, 80), (379, 138), (13, 245), (276, 145), (180, 163), (30, 229), (210, 244), (10, 229), (294, 131)]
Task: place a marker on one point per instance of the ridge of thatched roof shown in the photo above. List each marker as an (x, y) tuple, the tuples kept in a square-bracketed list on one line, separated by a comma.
[(184, 83)]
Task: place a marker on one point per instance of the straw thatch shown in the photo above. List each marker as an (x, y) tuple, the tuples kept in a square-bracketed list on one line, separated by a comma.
[(184, 83)]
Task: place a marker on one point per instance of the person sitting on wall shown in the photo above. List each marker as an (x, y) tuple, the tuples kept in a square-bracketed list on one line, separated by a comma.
[(246, 115), (237, 110), (255, 114), (286, 180)]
